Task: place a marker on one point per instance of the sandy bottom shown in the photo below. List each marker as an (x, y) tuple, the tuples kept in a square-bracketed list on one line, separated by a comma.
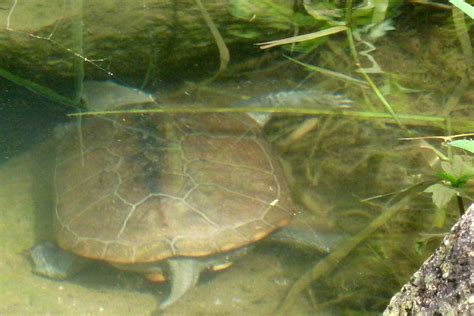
[(253, 286)]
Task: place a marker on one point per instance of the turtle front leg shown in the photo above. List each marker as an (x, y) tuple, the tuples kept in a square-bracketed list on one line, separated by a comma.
[(53, 262)]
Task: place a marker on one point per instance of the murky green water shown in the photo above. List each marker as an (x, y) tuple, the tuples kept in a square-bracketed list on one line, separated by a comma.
[(344, 161)]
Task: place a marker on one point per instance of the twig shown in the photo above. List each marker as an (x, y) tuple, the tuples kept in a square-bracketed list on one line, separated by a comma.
[(302, 38), (223, 50)]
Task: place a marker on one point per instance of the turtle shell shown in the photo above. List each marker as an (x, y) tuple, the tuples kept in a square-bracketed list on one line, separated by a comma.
[(143, 188)]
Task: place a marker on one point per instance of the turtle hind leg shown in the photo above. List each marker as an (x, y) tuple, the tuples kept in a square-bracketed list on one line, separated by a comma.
[(51, 261), (184, 275)]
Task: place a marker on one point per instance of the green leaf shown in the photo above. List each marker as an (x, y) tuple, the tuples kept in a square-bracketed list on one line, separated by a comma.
[(446, 176), (420, 247), (466, 144), (458, 170), (442, 194)]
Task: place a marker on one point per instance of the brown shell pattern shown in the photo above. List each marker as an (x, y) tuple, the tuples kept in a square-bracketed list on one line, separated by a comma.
[(143, 188)]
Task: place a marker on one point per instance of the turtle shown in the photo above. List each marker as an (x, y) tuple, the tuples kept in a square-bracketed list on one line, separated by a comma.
[(167, 195)]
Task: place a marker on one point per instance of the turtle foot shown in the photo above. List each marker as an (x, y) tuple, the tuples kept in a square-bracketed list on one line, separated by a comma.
[(51, 261), (184, 275)]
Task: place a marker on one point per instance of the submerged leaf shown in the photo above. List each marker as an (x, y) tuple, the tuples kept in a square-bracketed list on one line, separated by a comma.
[(442, 194)]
